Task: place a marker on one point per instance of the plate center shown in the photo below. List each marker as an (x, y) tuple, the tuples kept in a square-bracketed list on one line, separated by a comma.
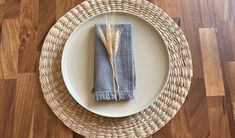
[(151, 62)]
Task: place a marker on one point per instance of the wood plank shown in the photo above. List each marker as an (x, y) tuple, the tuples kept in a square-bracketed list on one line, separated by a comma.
[(47, 15), (211, 63), (7, 107), (206, 15), (189, 24), (231, 81), (226, 41), (232, 5), (28, 35), (180, 123), (27, 86), (197, 109), (9, 49), (159, 3), (171, 7), (1, 72), (218, 117), (11, 1), (75, 135), (222, 9), (170, 135), (63, 6), (186, 135), (164, 132), (31, 126), (11, 9), (1, 18), (76, 2), (231, 37)]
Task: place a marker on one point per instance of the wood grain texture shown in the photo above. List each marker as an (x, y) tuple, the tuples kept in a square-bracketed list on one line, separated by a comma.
[(218, 117), (222, 9), (211, 63), (7, 107), (63, 6), (26, 88), (171, 8), (232, 38), (231, 80), (225, 37), (1, 1), (28, 33), (11, 9), (47, 17), (198, 109), (209, 110), (205, 14), (232, 5), (9, 49)]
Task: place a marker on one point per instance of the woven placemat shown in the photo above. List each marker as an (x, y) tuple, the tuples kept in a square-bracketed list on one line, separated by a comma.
[(142, 124)]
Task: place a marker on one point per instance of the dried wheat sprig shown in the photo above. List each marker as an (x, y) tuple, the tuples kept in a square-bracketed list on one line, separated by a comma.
[(101, 35), (104, 40), (116, 41), (109, 39)]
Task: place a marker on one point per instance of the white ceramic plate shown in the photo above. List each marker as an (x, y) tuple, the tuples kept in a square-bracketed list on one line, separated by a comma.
[(151, 58)]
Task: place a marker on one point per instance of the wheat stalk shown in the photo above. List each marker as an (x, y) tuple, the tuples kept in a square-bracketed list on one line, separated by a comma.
[(116, 41)]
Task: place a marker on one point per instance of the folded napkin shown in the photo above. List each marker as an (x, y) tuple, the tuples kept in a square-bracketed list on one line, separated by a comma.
[(125, 66)]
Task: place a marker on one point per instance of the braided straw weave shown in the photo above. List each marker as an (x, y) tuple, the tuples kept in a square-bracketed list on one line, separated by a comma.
[(142, 124)]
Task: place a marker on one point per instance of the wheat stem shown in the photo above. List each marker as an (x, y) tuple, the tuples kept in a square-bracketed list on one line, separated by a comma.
[(114, 76), (115, 70)]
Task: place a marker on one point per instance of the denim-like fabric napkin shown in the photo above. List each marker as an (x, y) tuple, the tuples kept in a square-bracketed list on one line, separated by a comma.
[(125, 67)]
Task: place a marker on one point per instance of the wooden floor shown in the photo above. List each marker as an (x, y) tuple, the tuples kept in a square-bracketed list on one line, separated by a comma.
[(209, 26)]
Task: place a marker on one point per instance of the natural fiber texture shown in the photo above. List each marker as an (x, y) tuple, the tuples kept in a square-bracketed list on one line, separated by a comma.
[(141, 124)]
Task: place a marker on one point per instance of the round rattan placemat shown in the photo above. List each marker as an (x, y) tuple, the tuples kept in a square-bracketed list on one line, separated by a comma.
[(141, 124)]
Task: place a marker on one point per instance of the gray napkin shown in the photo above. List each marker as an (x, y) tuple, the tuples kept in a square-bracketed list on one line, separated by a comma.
[(125, 67)]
